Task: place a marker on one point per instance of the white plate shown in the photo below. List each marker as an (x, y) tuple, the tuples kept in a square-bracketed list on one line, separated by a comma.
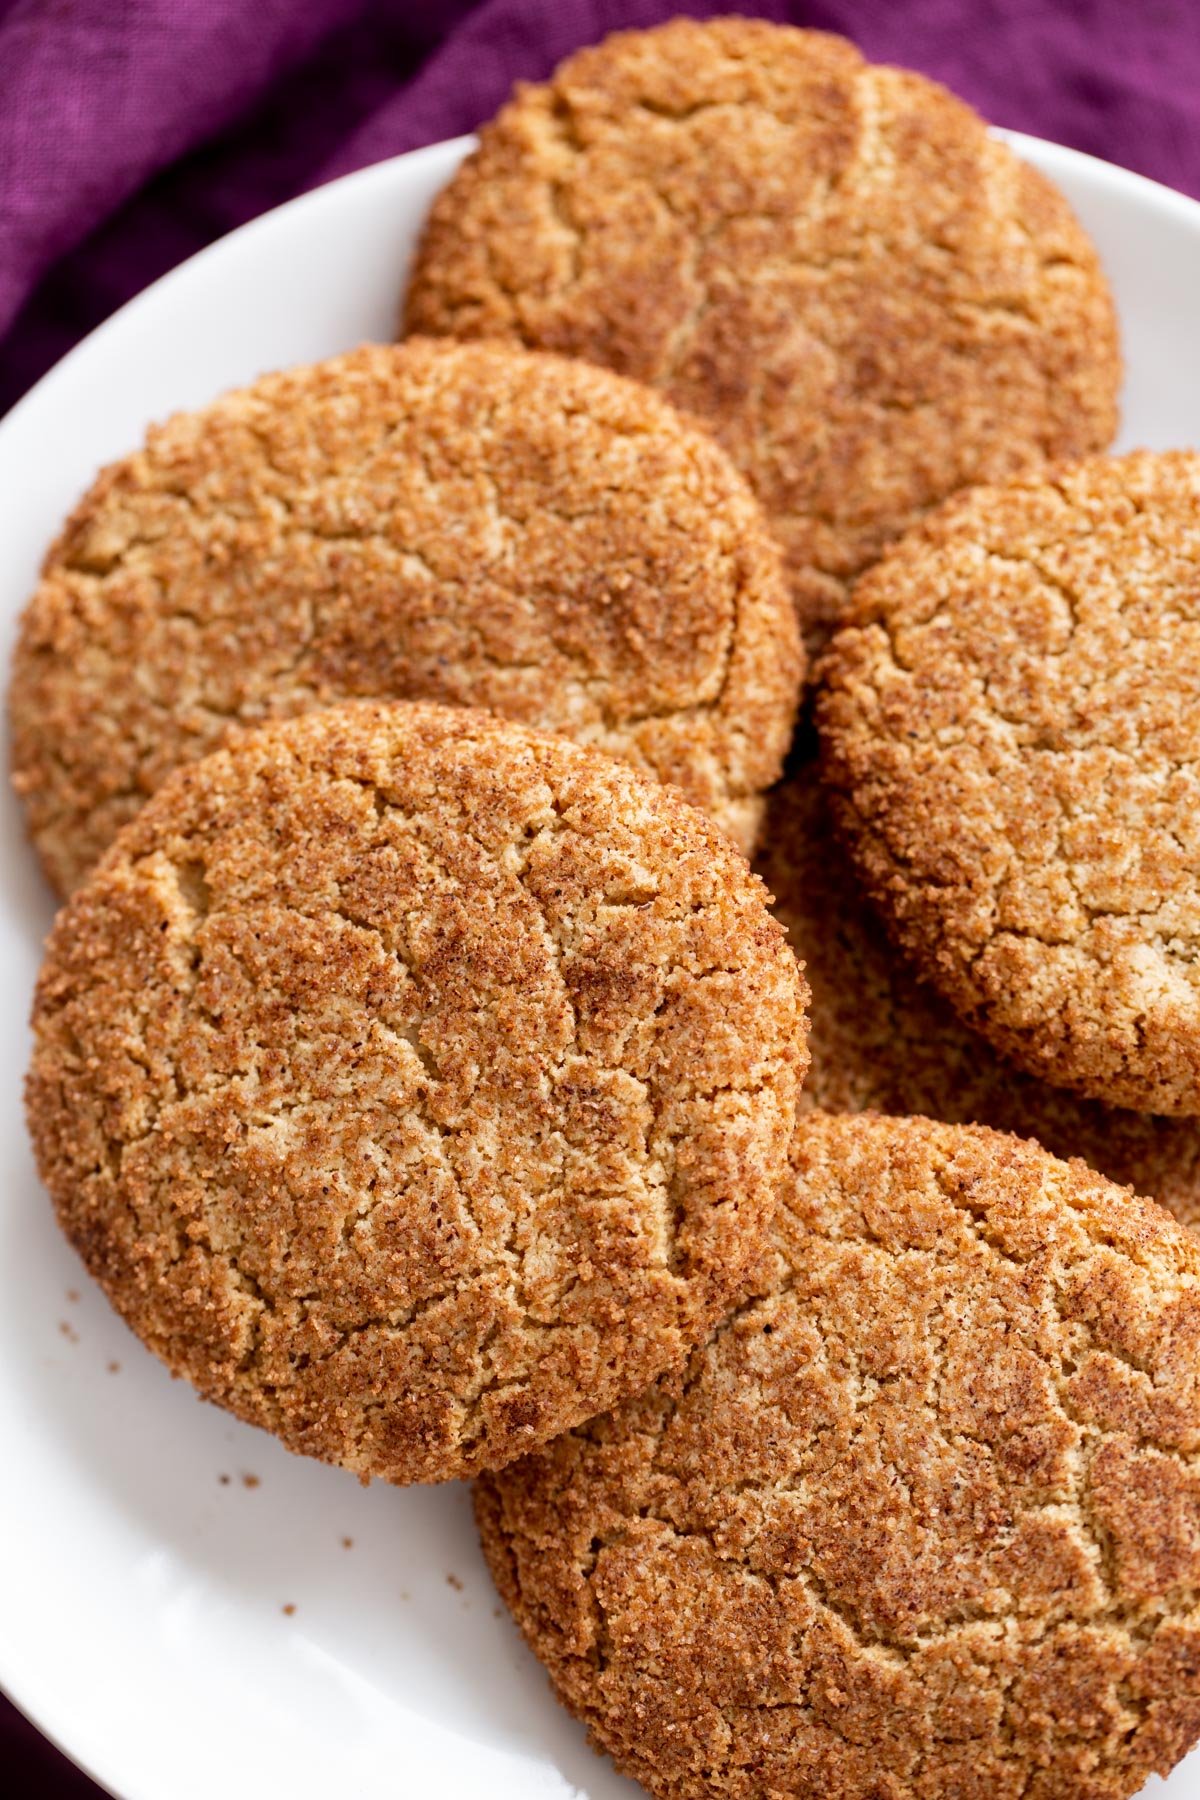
[(141, 1597)]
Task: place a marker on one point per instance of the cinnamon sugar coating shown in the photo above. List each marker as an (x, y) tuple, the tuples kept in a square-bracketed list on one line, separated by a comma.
[(869, 299), (416, 1084), (920, 1522), (1011, 727), (469, 524), (880, 1040)]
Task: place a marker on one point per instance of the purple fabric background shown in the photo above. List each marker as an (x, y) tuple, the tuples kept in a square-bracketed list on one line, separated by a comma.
[(132, 132)]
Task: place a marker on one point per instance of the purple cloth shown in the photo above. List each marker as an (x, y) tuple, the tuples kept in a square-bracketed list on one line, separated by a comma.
[(132, 132)]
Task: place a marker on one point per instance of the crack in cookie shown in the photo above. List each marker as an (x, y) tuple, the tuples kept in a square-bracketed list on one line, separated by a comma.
[(884, 1041), (886, 1534), (1009, 728), (472, 524), (375, 1119), (868, 299)]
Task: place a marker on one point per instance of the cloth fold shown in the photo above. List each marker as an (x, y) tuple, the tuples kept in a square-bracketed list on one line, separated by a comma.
[(133, 132)]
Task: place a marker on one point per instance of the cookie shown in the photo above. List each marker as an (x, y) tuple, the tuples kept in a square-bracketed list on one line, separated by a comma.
[(869, 299), (920, 1522), (1010, 725), (476, 525), (414, 1083), (882, 1041)]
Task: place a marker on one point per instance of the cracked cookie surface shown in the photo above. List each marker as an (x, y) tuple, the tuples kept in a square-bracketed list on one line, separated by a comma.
[(920, 1522), (468, 524), (870, 300), (880, 1040), (416, 1084), (1011, 727)]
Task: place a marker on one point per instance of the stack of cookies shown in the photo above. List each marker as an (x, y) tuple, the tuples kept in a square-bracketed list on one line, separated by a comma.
[(420, 1067)]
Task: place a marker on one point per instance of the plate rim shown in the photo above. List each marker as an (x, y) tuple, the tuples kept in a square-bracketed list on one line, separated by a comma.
[(1178, 210), (1027, 145)]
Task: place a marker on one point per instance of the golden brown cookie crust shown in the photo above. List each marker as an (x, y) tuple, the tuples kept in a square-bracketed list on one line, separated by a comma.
[(478, 525), (416, 1084), (920, 1522), (880, 1040), (869, 299), (1011, 728)]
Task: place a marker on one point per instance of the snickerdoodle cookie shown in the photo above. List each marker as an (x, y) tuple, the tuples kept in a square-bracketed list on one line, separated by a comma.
[(869, 299), (416, 1084), (1011, 725), (920, 1522), (472, 524), (880, 1040)]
